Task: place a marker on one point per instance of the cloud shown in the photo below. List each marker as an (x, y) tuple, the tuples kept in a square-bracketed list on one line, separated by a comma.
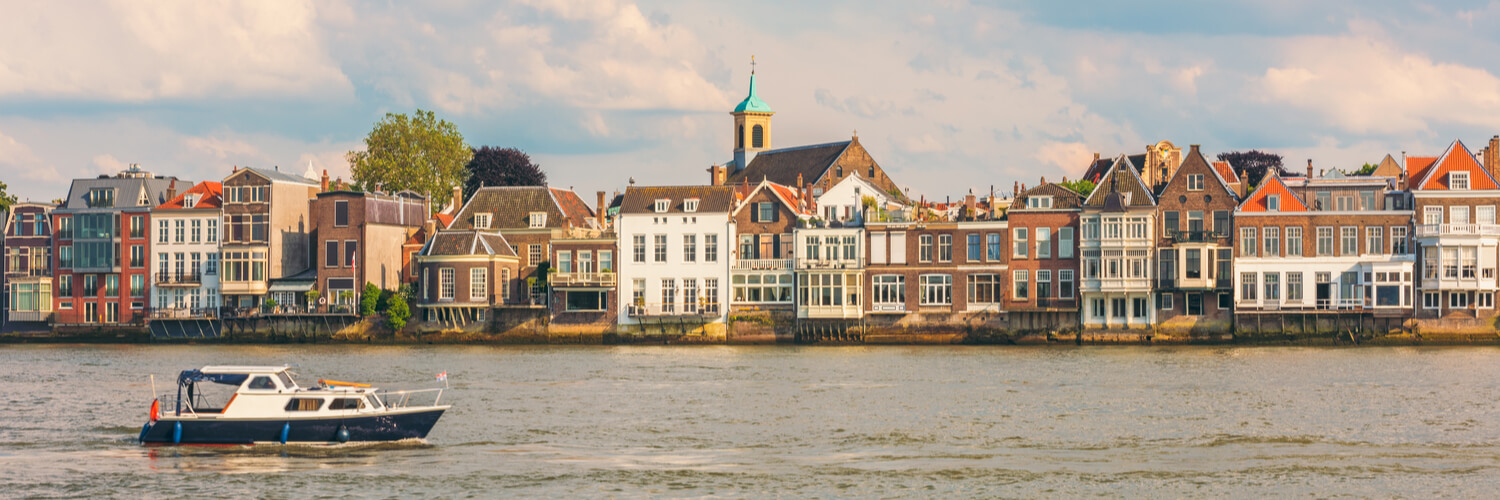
[(136, 51), (18, 158), (1069, 158)]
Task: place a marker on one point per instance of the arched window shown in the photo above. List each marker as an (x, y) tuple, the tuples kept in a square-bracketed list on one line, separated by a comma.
[(739, 138), (872, 173), (839, 172), (758, 136)]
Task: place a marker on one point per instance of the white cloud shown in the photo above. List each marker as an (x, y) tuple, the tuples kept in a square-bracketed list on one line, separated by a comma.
[(18, 158), (1068, 158)]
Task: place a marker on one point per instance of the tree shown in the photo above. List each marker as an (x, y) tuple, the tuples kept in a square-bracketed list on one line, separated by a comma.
[(312, 299), (1252, 165), (368, 298), (397, 313), (1080, 186), (501, 167), (420, 153), (385, 301), (6, 199), (1367, 169)]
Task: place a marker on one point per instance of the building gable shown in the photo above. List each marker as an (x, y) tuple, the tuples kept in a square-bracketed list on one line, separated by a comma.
[(1195, 163), (1273, 185), (1456, 159), (1123, 180)]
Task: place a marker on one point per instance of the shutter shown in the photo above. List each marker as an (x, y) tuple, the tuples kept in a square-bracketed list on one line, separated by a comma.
[(775, 216)]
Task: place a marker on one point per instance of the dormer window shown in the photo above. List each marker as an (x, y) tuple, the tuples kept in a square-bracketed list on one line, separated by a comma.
[(538, 219), (1458, 180), (690, 205), (662, 204), (1039, 202), (481, 221), (190, 201), (101, 198), (1273, 202)]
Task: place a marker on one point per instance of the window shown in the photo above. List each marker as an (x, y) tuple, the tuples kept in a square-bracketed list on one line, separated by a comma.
[(341, 216), (479, 284), (1096, 308), (445, 283), (1019, 280), (1224, 300), (1221, 222), (137, 285), (668, 295), (758, 137), (1458, 300), (101, 198), (1374, 242), (1112, 228), (1065, 284), (1272, 238), (1458, 180), (537, 220), (1065, 243), (1043, 283), (180, 225), (1273, 202), (1484, 300), (213, 230), (137, 256), (1195, 182), (1022, 246), (1138, 308), (765, 212), (689, 248), (1165, 300), (972, 247), (1192, 265), (660, 241), (305, 404), (163, 231), (992, 247), (331, 253), (1432, 216), (1485, 214), (661, 205), (984, 288), (1247, 286), (1091, 228), (65, 285), (1169, 223), (111, 285), (1325, 241), (812, 251), (638, 248), (1117, 308), (1195, 220), (889, 290), (481, 221), (1349, 240), (1458, 215), (945, 248), (1323, 201), (1194, 304), (351, 250), (65, 256), (924, 248), (1430, 300), (565, 262), (1247, 242), (937, 289), (1039, 202), (1398, 240), (1044, 243), (606, 261), (1293, 241), (65, 227), (1294, 287), (1273, 287), (504, 284), (711, 248)]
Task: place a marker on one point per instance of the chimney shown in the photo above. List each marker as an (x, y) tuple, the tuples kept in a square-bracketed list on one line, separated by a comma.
[(1309, 168), (172, 189), (458, 199), (1015, 190), (377, 188), (1492, 157), (325, 180), (235, 169), (717, 175), (600, 209), (969, 206)]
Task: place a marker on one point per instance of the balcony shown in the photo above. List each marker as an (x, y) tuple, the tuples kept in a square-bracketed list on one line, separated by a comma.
[(831, 263), (1196, 236), (32, 273), (1434, 230), (655, 310), (763, 264), (1117, 284), (243, 287), (183, 313), (830, 312), (169, 278), (582, 279)]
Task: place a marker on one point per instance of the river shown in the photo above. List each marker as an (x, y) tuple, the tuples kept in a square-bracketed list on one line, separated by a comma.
[(731, 421)]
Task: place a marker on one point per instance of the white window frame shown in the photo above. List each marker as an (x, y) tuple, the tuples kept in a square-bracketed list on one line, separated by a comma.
[(446, 283), (538, 220), (479, 284), (1195, 182), (481, 221), (1432, 300), (662, 205), (690, 205), (936, 289), (1458, 181)]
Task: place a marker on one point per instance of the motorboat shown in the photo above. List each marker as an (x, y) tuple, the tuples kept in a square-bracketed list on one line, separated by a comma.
[(243, 405)]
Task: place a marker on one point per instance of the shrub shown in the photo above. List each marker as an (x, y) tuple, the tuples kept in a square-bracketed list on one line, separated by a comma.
[(397, 312), (368, 298)]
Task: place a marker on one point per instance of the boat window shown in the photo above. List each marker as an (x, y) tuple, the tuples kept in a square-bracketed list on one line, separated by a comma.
[(304, 404), (262, 382), (373, 401), (286, 380), (347, 404)]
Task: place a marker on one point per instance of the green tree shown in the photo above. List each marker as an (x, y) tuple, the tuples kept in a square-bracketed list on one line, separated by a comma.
[(312, 299), (1367, 169), (420, 153), (397, 313), (385, 301), (6, 199), (1080, 186), (368, 299)]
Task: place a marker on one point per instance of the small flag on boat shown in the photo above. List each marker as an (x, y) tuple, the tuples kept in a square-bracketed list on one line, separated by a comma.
[(443, 376)]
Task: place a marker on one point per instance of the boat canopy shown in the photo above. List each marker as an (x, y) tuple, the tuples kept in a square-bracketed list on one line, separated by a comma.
[(193, 376)]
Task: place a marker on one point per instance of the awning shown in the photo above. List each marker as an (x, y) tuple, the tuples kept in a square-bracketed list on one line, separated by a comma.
[(292, 286)]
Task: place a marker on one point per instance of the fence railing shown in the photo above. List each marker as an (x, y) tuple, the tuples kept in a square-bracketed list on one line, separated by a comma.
[(673, 309), (600, 279), (1458, 229), (762, 264), (176, 278)]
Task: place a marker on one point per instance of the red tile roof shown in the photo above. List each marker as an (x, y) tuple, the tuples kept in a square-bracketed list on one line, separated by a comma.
[(444, 220), (211, 195), (1226, 172), (1417, 166), (1456, 159), (1256, 202)]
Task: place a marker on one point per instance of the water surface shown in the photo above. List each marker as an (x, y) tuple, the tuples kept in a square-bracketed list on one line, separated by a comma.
[(728, 421)]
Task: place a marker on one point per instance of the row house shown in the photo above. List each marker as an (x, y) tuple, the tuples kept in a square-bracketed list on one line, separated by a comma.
[(355, 236), (676, 263), (463, 275), (764, 217), (101, 244), (267, 233), (583, 279), (1195, 245), (28, 262), (1117, 243), (921, 267), (830, 267), (1331, 243), (527, 217), (1044, 261), (185, 248), (1457, 237)]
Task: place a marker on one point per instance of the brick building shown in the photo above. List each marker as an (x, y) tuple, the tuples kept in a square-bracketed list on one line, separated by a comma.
[(1454, 199), (928, 271), (465, 274), (527, 216), (761, 270), (585, 291), (358, 238), (28, 262), (267, 233), (1194, 246), (1043, 224)]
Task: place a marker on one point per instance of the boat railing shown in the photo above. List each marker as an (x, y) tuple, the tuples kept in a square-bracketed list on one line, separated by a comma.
[(404, 399)]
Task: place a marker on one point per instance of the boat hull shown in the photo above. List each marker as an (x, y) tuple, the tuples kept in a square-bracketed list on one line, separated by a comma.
[(393, 426)]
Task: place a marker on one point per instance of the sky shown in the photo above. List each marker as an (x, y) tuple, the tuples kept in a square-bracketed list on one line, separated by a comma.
[(947, 95)]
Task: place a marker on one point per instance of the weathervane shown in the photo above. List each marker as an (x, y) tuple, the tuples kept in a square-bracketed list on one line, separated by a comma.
[(752, 64)]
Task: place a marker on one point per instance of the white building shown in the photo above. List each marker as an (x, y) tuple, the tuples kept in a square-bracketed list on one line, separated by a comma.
[(845, 200), (1117, 243), (185, 243), (830, 265), (675, 244)]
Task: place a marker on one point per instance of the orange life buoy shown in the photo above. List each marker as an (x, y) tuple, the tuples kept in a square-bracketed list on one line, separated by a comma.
[(155, 409)]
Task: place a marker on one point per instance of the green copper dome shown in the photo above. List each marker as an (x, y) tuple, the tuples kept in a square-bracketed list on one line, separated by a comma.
[(752, 102)]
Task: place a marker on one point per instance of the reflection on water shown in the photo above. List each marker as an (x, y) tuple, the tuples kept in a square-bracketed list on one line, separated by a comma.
[(767, 421)]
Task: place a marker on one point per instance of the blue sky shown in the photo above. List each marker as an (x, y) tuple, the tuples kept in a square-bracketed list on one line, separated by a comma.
[(948, 95)]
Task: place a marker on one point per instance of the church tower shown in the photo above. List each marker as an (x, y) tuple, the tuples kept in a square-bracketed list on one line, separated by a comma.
[(752, 126)]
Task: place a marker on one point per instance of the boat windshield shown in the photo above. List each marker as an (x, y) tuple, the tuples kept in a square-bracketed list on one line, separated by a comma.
[(286, 380)]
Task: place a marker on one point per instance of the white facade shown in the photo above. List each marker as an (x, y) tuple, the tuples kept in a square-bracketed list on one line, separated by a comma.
[(830, 266), (674, 264), (184, 262), (1116, 250), (844, 201), (1377, 282)]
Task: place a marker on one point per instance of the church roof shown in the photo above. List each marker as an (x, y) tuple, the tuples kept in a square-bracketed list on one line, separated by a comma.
[(781, 166), (752, 102)]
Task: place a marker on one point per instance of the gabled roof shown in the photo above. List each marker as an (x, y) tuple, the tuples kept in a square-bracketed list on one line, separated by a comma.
[(1388, 167), (510, 207), (1099, 167), (1226, 172), (642, 200), (1195, 160), (786, 195), (1056, 191), (1417, 167), (1121, 187), (471, 242), (129, 192), (782, 166), (1436, 178), (274, 176), (1272, 184), (443, 220), (210, 195)]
